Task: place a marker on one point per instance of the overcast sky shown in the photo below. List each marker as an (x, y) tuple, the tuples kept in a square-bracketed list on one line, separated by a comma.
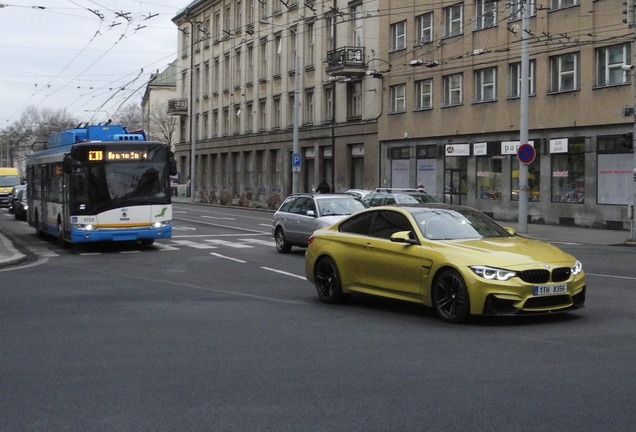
[(78, 55)]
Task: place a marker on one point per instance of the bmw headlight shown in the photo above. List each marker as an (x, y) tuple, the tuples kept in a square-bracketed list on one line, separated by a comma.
[(491, 273), (577, 268)]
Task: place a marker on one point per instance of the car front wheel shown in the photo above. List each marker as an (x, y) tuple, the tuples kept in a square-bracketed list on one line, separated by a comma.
[(281, 242), (328, 283), (450, 297)]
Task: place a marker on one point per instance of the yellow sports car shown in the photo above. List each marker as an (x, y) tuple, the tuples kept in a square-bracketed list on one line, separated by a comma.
[(453, 258)]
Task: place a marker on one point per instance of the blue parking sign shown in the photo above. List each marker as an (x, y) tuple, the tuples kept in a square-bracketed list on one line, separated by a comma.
[(296, 160)]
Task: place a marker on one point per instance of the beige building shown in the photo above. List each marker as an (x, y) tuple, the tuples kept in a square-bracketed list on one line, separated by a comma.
[(158, 124), (400, 93)]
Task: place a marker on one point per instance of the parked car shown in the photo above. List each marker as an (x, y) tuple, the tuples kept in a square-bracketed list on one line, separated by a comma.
[(358, 193), (452, 258), (13, 197), (21, 205), (301, 214), (389, 196)]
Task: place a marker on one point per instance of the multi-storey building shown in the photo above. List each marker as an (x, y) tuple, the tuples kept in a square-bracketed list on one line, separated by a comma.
[(241, 62), (398, 93), (453, 108)]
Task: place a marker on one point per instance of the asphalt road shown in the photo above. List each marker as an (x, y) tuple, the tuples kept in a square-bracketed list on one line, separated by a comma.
[(215, 331)]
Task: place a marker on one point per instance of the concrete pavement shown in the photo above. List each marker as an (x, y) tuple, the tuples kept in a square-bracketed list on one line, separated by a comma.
[(9, 255)]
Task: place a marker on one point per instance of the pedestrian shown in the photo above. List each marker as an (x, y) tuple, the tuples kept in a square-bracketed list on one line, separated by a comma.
[(323, 187)]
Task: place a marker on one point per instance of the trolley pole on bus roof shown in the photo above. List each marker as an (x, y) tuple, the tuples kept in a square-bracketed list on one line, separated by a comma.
[(523, 121)]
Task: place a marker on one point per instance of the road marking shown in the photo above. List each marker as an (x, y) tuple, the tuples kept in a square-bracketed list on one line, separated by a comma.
[(228, 244), (228, 258), (259, 242), (193, 244), (218, 218), (283, 273), (199, 221), (611, 276)]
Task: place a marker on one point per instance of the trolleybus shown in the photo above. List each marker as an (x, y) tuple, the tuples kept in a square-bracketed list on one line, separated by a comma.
[(101, 183)]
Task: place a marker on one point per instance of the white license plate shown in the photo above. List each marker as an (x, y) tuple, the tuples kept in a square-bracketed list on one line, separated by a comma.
[(550, 289)]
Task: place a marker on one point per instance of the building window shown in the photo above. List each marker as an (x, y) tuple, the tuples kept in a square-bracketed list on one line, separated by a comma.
[(398, 36), (354, 99), (514, 85), (424, 94), (398, 98), (204, 130), (226, 121), (249, 111), (215, 123), (277, 114), (226, 75), (516, 8), (534, 180), (310, 44), (237, 119), (488, 178), (568, 170), (250, 64), (237, 67), (238, 15), (330, 34), (278, 46), (293, 49), (206, 77), (262, 73), (615, 167), (564, 72), (215, 79), (264, 9), (609, 62), (308, 116), (453, 92), (453, 20), (357, 22), (328, 103), (424, 28), (560, 4), (486, 85), (262, 117), (291, 109), (485, 14)]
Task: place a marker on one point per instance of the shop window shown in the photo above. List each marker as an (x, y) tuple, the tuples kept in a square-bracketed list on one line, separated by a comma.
[(534, 177), (488, 178), (568, 173), (615, 166)]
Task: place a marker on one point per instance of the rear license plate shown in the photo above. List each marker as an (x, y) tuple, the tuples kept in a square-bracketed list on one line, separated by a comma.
[(550, 289)]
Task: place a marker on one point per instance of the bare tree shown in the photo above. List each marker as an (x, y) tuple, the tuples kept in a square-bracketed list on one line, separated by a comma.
[(129, 116), (161, 125)]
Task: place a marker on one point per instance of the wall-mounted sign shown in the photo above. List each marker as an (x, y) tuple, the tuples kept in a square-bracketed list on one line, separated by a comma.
[(559, 145), (457, 150)]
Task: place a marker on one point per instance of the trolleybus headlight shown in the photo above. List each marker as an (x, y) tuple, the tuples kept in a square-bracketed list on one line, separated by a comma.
[(84, 227), (162, 224)]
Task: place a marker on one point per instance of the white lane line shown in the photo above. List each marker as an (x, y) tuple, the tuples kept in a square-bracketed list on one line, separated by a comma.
[(283, 273), (228, 258), (611, 276)]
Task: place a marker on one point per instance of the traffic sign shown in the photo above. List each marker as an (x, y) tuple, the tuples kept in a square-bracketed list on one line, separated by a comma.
[(296, 161), (526, 154)]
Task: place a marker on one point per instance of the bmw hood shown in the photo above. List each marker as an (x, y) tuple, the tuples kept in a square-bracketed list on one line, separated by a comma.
[(509, 252)]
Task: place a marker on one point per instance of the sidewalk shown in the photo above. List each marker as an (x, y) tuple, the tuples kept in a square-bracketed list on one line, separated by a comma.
[(9, 255)]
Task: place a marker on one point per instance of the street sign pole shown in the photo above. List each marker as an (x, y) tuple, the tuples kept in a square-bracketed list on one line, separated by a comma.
[(523, 121)]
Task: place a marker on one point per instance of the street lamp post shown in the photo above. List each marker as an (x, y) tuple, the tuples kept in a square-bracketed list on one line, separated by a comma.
[(296, 163)]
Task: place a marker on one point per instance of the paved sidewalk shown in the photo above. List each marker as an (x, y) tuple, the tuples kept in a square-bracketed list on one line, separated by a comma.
[(9, 255)]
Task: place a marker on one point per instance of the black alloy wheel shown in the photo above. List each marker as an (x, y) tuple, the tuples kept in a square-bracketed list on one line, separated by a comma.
[(450, 297), (328, 283)]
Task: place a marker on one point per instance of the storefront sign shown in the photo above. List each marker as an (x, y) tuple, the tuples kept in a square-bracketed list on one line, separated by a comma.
[(480, 149), (511, 147), (559, 145), (457, 150)]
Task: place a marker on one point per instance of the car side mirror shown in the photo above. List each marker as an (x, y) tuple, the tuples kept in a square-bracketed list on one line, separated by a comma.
[(310, 213), (405, 237), (511, 230)]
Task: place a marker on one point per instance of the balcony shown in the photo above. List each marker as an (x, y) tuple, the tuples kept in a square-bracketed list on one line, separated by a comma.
[(178, 107), (346, 61)]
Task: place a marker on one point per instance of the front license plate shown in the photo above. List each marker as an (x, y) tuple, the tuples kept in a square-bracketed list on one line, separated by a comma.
[(550, 289)]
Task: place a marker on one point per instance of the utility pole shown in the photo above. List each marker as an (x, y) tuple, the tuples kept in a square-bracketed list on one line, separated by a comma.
[(523, 121), (630, 20)]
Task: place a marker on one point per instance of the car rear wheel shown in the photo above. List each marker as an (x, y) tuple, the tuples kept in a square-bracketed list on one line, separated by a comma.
[(328, 283), (450, 297), (281, 242)]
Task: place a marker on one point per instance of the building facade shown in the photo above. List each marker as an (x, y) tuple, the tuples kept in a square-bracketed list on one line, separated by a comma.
[(408, 92)]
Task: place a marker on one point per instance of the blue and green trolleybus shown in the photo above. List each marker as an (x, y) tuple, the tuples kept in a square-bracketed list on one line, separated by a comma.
[(101, 183)]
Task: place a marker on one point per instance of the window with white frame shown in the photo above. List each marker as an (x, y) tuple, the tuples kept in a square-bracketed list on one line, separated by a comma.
[(310, 44), (485, 13), (453, 89), (564, 70), (560, 4), (486, 84), (356, 25), (516, 8), (453, 20), (424, 94), (293, 47), (262, 73), (237, 119), (226, 75), (514, 85), (424, 28), (609, 63), (398, 36), (398, 98), (308, 101)]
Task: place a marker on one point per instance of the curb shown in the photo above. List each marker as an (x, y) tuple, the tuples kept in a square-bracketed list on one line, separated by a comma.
[(14, 257)]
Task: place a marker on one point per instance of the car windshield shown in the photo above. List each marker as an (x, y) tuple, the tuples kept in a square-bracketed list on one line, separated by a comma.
[(423, 198), (339, 206), (456, 224)]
